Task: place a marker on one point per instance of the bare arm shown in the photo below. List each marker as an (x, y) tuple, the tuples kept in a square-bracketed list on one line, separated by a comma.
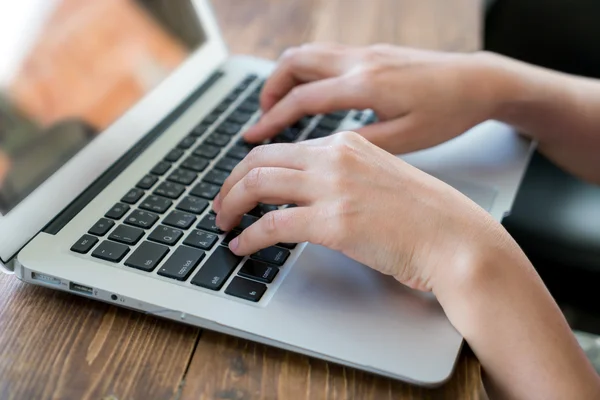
[(561, 111), (503, 310), (488, 288)]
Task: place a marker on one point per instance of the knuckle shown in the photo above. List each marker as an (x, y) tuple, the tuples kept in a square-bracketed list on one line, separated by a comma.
[(254, 179), (275, 222), (271, 223), (289, 55), (297, 96), (255, 155)]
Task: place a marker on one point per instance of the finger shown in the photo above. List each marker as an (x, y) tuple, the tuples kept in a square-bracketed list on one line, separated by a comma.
[(396, 136), (280, 155), (303, 64), (263, 185), (291, 225), (319, 97)]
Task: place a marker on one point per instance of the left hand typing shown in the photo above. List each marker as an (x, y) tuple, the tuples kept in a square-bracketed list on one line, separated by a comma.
[(355, 198)]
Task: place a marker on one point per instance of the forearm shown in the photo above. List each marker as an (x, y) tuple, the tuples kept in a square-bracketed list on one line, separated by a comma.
[(561, 112), (496, 300)]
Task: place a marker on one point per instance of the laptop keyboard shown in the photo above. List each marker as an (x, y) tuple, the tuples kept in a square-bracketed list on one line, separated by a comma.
[(168, 214)]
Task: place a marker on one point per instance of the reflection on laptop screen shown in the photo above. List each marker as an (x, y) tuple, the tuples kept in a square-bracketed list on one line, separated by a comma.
[(69, 68)]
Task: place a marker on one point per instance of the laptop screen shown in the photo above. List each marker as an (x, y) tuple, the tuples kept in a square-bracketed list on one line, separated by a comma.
[(70, 68)]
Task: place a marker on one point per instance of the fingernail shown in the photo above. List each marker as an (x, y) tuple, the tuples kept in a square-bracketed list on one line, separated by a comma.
[(218, 221), (233, 245)]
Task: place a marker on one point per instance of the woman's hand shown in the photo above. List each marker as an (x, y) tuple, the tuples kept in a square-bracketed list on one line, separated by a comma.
[(355, 198), (422, 98), (358, 199)]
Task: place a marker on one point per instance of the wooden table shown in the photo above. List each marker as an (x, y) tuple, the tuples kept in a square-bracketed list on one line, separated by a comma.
[(55, 345)]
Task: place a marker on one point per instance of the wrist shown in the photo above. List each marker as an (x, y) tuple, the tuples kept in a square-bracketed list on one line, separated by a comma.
[(507, 85), (485, 256)]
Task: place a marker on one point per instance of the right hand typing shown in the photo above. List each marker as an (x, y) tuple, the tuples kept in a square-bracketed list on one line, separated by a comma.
[(422, 98)]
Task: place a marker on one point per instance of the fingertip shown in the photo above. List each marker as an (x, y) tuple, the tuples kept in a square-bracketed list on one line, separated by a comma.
[(255, 134), (234, 245), (217, 203)]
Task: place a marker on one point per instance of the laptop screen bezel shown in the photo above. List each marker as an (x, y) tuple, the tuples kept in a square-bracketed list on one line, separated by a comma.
[(34, 212)]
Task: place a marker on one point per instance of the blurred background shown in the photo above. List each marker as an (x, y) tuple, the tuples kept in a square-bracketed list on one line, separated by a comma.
[(69, 68)]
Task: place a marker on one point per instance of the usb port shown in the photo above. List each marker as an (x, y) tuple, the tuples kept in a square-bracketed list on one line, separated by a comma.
[(36, 276), (75, 287)]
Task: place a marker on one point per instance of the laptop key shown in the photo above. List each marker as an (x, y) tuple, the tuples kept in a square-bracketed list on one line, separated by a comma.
[(218, 139), (229, 128), (289, 246), (207, 151), (205, 190), (110, 251), (156, 204), (200, 129), (329, 123), (133, 196), (248, 107), (231, 98), (182, 263), (208, 223), (211, 119), (239, 152), (272, 255), (194, 163), (201, 240), (183, 176), (337, 115), (117, 211), (258, 271), (84, 244), (141, 219), (261, 209), (179, 219), (102, 227), (247, 81), (239, 117), (147, 256), (229, 237), (304, 122), (227, 164), (165, 235), (147, 182), (246, 221), (174, 155), (187, 142), (193, 205), (371, 119), (221, 108), (126, 234), (170, 189), (161, 168), (287, 136), (246, 289), (216, 177), (217, 269)]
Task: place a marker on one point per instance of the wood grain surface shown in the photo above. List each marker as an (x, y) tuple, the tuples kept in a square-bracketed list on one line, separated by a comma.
[(59, 346)]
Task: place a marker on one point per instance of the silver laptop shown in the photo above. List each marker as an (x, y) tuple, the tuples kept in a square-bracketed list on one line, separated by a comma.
[(117, 130)]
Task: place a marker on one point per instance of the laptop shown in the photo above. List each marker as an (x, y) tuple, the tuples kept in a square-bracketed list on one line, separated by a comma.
[(120, 120)]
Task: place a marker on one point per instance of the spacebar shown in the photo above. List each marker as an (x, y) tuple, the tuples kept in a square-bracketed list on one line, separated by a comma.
[(216, 269)]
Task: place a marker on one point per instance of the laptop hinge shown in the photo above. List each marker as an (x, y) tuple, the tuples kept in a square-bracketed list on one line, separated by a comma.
[(120, 165)]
